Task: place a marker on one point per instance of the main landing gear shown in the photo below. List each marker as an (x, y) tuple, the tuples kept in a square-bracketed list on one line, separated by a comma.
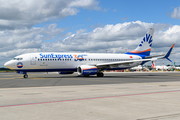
[(100, 74)]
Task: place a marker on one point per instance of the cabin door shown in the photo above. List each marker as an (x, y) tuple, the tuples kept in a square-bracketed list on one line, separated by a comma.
[(33, 60)]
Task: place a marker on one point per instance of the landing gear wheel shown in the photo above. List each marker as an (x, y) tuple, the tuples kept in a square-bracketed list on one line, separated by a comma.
[(100, 74), (25, 76)]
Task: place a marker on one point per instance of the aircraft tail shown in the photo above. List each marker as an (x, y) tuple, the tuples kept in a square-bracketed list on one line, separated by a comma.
[(174, 64), (144, 48), (153, 66)]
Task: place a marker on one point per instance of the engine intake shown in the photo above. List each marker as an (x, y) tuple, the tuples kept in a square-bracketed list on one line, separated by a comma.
[(87, 70)]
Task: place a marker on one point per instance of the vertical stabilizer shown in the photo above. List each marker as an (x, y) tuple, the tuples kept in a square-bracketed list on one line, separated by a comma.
[(144, 48), (153, 66)]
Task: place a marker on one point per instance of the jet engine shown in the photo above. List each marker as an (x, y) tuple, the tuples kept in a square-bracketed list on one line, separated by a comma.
[(87, 70)]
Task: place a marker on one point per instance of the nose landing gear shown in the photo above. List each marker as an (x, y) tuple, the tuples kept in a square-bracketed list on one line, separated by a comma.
[(24, 73), (25, 76)]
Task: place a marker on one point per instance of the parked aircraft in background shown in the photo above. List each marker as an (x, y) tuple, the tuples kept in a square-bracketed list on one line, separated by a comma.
[(172, 68), (85, 63), (177, 68), (164, 67), (160, 67), (139, 67)]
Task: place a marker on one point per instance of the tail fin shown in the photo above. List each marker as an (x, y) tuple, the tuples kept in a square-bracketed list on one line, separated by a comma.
[(144, 48), (153, 66)]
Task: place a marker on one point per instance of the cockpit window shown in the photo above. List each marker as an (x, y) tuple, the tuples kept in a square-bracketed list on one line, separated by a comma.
[(17, 58)]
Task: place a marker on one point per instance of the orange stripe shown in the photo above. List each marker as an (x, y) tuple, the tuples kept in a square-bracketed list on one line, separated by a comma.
[(19, 65), (172, 45), (135, 51), (90, 68)]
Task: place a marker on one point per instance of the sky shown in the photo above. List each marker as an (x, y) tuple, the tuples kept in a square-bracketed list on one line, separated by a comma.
[(90, 26)]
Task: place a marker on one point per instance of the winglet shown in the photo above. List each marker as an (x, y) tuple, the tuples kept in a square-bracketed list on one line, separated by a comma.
[(168, 53)]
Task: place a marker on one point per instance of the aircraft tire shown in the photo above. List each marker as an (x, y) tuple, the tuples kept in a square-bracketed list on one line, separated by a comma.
[(100, 74), (25, 76)]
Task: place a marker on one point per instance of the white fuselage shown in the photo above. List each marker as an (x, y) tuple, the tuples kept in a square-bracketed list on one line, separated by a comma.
[(139, 67), (177, 68), (163, 67), (67, 61)]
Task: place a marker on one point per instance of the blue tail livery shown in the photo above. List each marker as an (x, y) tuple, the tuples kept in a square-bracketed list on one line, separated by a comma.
[(144, 48)]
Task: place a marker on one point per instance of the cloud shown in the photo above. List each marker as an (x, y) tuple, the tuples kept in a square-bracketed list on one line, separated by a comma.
[(176, 13), (96, 26), (168, 37), (88, 4), (18, 14), (113, 38), (124, 18), (28, 38), (115, 10)]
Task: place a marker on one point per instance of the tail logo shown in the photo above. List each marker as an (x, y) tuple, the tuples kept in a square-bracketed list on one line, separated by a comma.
[(147, 39)]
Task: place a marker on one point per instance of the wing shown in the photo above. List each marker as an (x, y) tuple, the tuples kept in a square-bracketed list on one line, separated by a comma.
[(151, 58), (124, 62)]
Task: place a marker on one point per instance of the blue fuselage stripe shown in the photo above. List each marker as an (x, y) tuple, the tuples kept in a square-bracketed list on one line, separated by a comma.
[(59, 70), (47, 70)]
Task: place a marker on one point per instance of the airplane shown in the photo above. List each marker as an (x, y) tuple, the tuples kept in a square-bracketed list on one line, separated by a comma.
[(171, 68), (174, 67), (139, 67), (85, 64), (177, 68), (159, 67), (164, 67)]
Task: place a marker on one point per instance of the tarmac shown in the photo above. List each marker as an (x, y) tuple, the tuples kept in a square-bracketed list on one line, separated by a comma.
[(116, 96)]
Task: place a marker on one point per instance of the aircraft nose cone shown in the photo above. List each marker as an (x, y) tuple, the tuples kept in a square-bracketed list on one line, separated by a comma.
[(8, 64)]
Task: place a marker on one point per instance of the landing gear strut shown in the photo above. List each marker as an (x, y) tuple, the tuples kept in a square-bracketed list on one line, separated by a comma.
[(100, 74), (25, 76)]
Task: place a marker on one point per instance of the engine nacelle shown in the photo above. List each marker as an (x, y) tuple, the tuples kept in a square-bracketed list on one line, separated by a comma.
[(87, 70), (66, 72)]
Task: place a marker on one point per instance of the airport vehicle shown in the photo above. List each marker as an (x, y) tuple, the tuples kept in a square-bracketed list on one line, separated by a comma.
[(85, 63)]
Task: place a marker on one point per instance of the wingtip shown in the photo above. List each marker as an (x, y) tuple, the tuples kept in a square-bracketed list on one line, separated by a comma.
[(172, 46)]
